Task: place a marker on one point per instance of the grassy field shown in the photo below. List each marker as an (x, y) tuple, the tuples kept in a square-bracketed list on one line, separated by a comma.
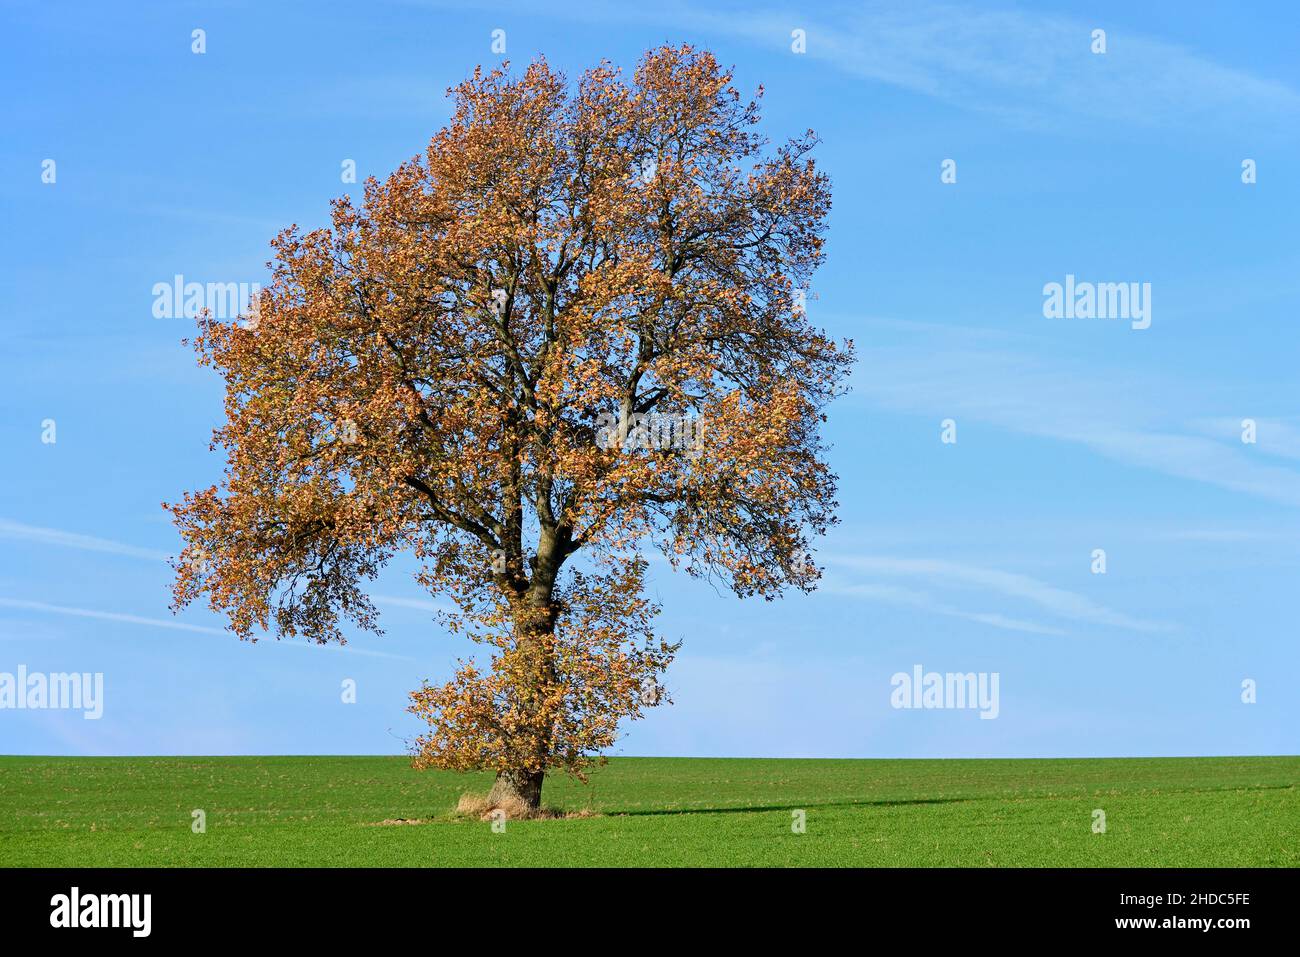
[(325, 811)]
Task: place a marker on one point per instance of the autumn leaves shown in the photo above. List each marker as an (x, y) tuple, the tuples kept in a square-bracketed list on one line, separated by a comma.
[(481, 321)]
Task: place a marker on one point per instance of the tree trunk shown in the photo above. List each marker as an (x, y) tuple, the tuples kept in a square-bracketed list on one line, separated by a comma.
[(535, 629), (523, 787), (521, 784)]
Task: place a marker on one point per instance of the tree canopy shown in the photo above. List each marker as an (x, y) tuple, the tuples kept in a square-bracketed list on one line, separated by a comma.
[(575, 324)]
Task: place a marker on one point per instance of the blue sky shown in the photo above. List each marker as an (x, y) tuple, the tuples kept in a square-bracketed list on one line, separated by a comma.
[(1072, 435)]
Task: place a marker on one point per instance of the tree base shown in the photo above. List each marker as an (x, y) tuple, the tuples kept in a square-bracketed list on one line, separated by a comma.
[(518, 794)]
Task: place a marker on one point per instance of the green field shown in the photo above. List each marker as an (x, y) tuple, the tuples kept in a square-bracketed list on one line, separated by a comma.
[(326, 811)]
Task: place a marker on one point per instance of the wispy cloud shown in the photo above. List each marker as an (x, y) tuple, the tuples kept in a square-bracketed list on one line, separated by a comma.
[(39, 606), (97, 614), (1028, 67), (420, 604), (894, 595), (63, 539), (1225, 536), (949, 576), (1272, 436), (1124, 417), (17, 531)]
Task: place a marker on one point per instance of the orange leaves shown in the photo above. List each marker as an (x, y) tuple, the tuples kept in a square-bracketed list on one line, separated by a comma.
[(433, 374), (554, 693)]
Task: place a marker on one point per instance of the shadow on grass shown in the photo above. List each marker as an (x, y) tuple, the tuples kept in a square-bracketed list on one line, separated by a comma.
[(921, 801), (748, 809)]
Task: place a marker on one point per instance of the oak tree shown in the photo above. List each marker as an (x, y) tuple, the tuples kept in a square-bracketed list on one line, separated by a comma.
[(570, 333)]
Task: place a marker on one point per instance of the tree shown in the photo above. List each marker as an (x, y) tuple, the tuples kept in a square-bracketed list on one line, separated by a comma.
[(574, 327)]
